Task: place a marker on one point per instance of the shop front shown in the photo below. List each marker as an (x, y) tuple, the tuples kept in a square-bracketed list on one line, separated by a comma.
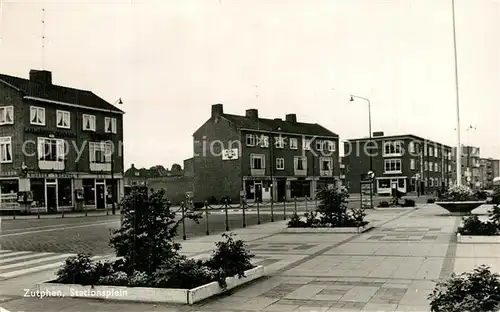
[(8, 194)]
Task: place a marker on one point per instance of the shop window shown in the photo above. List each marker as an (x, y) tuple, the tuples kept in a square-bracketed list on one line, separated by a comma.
[(64, 193), (9, 186), (38, 189), (88, 192), (110, 194)]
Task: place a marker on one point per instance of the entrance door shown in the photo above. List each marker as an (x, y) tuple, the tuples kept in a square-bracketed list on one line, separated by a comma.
[(100, 196), (281, 190), (51, 198), (258, 192)]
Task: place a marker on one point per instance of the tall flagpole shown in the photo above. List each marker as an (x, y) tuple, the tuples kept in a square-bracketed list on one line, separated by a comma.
[(459, 146)]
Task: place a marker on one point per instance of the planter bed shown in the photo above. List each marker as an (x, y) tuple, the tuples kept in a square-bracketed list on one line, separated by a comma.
[(361, 229), (478, 239), (459, 208), (148, 294)]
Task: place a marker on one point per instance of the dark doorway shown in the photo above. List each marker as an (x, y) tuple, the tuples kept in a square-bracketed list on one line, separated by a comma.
[(258, 192), (281, 190), (100, 194), (51, 198)]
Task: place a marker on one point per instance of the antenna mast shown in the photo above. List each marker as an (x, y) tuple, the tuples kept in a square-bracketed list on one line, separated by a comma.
[(43, 38)]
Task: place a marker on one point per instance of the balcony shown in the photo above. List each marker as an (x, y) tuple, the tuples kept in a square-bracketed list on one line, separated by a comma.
[(300, 172), (51, 165), (326, 173), (257, 172), (100, 166)]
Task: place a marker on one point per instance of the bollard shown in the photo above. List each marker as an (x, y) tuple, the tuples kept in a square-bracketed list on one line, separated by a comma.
[(258, 213), (38, 212), (14, 212), (295, 200), (307, 210), (85, 209), (284, 209), (206, 215), (244, 217), (62, 213), (227, 219), (183, 222), (272, 210)]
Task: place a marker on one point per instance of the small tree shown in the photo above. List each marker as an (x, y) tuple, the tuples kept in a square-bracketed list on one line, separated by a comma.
[(332, 205), (146, 237)]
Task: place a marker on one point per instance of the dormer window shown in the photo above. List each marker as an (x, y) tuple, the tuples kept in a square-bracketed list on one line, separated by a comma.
[(37, 116), (88, 122)]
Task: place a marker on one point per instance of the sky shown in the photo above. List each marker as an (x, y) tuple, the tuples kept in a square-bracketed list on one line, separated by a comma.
[(170, 60)]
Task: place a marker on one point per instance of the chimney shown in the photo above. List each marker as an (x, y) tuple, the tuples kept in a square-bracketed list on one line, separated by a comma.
[(252, 113), (378, 134), (217, 110), (291, 118), (41, 76)]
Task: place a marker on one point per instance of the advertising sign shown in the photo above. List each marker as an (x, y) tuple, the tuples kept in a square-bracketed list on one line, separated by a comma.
[(367, 190)]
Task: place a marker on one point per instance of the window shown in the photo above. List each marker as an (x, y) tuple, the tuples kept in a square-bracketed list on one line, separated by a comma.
[(431, 181), (431, 166), (436, 152), (412, 164), (88, 122), (436, 167), (330, 146), (411, 147), (431, 151), (280, 163), (392, 148), (426, 167), (51, 149), (392, 165), (300, 163), (110, 124), (326, 163), (250, 140), (279, 142), (63, 119), (306, 144), (293, 143), (264, 141), (100, 152), (384, 183), (37, 116), (6, 115), (449, 167), (425, 149), (256, 161), (5, 149), (319, 145), (401, 183)]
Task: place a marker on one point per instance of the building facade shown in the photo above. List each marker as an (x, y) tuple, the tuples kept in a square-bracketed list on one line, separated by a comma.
[(471, 166), (410, 163), (265, 158), (61, 146), (489, 169)]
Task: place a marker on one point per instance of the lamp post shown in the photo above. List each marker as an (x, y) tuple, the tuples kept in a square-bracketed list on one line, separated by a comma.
[(369, 124), (272, 164), (459, 147), (113, 182)]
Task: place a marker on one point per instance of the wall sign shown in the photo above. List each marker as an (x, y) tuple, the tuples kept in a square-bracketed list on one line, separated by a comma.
[(230, 154)]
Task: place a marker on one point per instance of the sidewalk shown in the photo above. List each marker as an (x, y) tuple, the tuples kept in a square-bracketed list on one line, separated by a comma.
[(390, 268)]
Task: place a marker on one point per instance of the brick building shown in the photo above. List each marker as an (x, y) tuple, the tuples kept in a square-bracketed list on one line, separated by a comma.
[(59, 143), (471, 165), (234, 153), (488, 170), (412, 163)]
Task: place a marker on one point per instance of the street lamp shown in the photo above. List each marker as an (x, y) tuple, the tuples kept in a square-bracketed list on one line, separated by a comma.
[(459, 147), (369, 124), (272, 164), (113, 182)]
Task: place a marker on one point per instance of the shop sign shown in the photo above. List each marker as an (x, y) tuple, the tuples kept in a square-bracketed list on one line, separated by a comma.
[(9, 174)]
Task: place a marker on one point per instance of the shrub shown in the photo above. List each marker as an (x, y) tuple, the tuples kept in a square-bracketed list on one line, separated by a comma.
[(409, 203), (332, 206), (184, 273), (473, 226), (80, 269), (494, 214), (495, 197), (359, 215), (296, 222), (146, 237), (481, 195), (431, 200), (475, 291), (230, 257), (383, 204), (459, 193), (118, 278)]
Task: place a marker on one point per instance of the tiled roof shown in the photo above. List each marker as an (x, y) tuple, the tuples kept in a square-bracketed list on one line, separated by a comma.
[(398, 136), (272, 125), (58, 93)]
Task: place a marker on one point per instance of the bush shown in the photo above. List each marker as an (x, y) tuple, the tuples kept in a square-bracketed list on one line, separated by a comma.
[(383, 204), (473, 226), (431, 200), (409, 203), (458, 193), (81, 269), (481, 195), (475, 291), (495, 197), (230, 258), (184, 273), (296, 222)]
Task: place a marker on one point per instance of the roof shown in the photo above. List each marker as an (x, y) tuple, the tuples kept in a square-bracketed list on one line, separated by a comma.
[(264, 124), (58, 93), (398, 136)]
